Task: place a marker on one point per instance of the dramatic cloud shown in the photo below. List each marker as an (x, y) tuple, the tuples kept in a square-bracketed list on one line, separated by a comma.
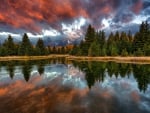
[(35, 16)]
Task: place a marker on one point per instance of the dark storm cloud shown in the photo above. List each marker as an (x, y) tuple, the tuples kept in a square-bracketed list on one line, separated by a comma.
[(146, 4), (125, 28), (33, 15), (146, 7)]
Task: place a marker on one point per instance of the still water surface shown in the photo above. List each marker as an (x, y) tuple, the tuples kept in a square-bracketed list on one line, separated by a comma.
[(59, 86)]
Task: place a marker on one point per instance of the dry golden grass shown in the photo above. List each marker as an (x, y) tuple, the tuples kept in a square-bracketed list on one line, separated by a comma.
[(142, 60), (8, 58), (139, 60)]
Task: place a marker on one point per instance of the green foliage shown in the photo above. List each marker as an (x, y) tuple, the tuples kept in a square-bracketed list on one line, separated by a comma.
[(112, 49), (76, 51), (84, 46), (26, 46), (3, 51), (40, 48), (89, 38), (94, 49), (142, 38), (123, 43), (8, 47), (147, 50), (139, 52), (124, 52), (90, 34), (103, 51)]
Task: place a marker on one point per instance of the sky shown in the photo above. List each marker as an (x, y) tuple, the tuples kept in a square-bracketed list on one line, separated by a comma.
[(69, 18)]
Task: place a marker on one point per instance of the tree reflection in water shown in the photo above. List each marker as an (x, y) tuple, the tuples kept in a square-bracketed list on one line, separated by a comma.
[(74, 87), (94, 71)]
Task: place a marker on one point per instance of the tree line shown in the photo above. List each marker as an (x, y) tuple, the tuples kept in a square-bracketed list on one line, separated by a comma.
[(26, 48), (117, 44), (95, 43)]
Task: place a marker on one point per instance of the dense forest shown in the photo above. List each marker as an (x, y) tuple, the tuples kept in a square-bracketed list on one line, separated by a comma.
[(26, 48), (122, 44), (95, 43)]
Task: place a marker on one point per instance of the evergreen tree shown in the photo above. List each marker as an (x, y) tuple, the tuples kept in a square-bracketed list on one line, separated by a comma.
[(112, 45), (147, 49), (41, 50), (129, 48), (26, 46), (113, 49), (90, 34), (94, 49), (138, 52), (3, 51), (142, 38), (123, 43), (9, 46), (84, 48), (100, 38), (124, 52), (117, 36), (89, 38)]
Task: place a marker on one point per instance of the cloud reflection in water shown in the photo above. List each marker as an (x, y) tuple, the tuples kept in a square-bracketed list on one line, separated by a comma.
[(64, 89)]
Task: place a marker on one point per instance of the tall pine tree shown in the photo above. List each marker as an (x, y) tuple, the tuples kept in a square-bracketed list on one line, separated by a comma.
[(25, 46), (40, 48)]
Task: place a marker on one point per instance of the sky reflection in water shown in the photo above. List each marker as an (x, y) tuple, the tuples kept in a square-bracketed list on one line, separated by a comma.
[(64, 88)]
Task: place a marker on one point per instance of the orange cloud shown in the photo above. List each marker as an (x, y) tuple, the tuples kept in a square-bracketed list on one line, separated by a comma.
[(31, 14)]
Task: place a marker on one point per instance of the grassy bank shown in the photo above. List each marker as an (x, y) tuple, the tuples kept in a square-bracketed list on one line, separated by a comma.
[(143, 59), (8, 58)]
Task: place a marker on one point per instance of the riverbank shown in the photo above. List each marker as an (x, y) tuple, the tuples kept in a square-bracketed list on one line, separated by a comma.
[(143, 59), (8, 58), (119, 59)]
